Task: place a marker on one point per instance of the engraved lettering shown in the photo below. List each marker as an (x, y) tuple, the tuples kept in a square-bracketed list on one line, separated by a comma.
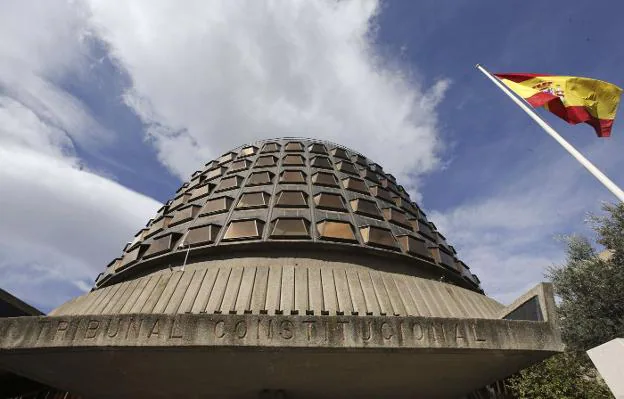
[(386, 331), (286, 329), (459, 332), (310, 324), (419, 333), (61, 327), (476, 335), (241, 329), (438, 336), (43, 326), (155, 330), (134, 326), (92, 328), (367, 333), (219, 329), (341, 323), (113, 333), (175, 331)]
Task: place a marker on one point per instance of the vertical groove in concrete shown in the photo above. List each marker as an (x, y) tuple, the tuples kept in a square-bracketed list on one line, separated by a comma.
[(284, 289), (167, 293), (105, 301), (98, 300), (147, 292), (259, 292), (420, 290), (439, 299), (243, 301), (372, 306), (287, 292), (406, 298), (136, 292), (342, 289), (205, 289), (490, 304), (414, 290), (357, 296), (218, 291), (131, 285), (455, 304), (180, 292), (116, 297), (231, 291), (191, 292), (381, 294), (154, 296), (473, 309), (395, 298), (483, 302), (315, 300), (330, 301), (273, 289), (301, 289)]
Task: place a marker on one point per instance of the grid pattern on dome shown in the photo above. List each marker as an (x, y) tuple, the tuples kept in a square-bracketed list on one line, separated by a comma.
[(291, 190)]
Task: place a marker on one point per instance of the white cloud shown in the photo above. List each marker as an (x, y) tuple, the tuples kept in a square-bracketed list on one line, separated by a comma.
[(509, 236), (205, 77), (60, 223), (42, 44), (209, 76)]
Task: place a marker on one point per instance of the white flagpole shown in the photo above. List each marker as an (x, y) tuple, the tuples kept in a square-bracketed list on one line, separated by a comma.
[(553, 133)]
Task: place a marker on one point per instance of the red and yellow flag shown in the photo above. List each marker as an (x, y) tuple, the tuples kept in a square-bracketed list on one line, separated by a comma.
[(573, 99)]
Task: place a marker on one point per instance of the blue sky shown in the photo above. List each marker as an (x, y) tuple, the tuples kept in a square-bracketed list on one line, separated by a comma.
[(105, 109)]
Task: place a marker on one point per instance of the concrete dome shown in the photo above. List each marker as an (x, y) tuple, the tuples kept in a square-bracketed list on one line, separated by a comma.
[(316, 219), (300, 260)]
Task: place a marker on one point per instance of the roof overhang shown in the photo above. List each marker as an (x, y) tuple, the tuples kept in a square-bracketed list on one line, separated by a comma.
[(240, 355)]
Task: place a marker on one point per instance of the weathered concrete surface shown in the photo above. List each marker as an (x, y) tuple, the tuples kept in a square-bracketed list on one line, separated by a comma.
[(242, 373), (274, 286), (237, 351), (545, 299), (239, 355), (26, 333)]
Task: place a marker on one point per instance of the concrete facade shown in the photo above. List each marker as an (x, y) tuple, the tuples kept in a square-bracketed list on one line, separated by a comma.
[(287, 267)]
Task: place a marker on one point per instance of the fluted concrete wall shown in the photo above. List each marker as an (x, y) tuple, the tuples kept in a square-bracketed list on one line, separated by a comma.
[(283, 289)]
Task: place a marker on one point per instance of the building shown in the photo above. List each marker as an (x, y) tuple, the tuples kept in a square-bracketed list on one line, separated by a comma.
[(13, 385), (285, 268)]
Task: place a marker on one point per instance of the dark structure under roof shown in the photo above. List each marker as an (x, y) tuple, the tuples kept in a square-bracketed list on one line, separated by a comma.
[(11, 306), (290, 267)]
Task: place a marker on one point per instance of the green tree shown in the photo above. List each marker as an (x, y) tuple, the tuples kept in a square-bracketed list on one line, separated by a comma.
[(567, 375), (590, 289)]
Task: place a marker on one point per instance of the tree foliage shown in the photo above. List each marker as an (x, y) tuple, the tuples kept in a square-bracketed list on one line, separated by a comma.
[(590, 289), (567, 375)]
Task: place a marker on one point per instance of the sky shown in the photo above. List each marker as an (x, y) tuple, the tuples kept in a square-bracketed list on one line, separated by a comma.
[(107, 107)]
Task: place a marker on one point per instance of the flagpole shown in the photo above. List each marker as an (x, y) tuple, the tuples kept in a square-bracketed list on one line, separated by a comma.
[(553, 133)]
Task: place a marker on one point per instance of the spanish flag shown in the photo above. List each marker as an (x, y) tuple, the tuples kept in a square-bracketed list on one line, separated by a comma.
[(573, 99)]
